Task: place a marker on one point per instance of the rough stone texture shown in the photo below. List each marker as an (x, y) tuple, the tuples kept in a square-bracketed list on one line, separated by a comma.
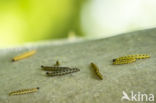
[(83, 86)]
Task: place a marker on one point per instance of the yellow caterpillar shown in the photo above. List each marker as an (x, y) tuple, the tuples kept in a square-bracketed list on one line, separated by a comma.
[(24, 91), (140, 56), (96, 69), (137, 56), (24, 55), (124, 61)]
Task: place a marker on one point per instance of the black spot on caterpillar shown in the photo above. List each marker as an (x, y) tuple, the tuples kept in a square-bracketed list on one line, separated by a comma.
[(63, 72), (96, 69), (114, 60), (24, 91)]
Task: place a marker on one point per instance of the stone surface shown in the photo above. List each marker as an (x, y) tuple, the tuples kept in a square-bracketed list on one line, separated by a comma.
[(83, 86)]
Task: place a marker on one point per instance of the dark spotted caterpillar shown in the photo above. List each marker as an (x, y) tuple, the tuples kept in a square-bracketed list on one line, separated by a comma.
[(63, 72)]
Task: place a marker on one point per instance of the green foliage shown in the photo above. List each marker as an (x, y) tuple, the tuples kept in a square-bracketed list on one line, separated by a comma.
[(32, 20)]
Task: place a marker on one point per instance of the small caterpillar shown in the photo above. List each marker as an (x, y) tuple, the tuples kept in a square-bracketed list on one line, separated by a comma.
[(24, 91), (124, 61), (64, 72), (140, 56), (96, 69), (24, 55), (54, 68), (57, 63), (137, 56)]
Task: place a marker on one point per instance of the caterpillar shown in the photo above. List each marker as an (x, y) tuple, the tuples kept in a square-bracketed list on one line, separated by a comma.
[(24, 55), (64, 72), (140, 56), (137, 56), (57, 63), (124, 61), (54, 68), (96, 69), (24, 91)]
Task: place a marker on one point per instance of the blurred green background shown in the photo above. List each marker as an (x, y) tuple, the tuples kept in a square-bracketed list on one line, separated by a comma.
[(23, 21)]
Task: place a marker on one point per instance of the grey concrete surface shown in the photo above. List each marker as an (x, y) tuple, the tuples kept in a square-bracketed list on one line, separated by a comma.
[(83, 86)]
